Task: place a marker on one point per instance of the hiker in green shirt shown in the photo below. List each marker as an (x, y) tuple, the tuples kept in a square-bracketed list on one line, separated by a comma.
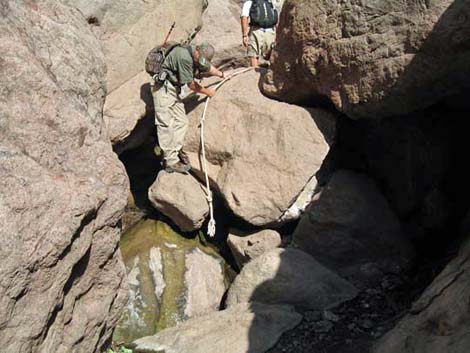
[(180, 67)]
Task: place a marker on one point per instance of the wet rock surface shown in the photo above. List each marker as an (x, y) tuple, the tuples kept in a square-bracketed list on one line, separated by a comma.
[(171, 279)]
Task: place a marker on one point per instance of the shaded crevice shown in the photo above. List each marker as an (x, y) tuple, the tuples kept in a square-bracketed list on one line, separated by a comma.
[(86, 220), (104, 344), (76, 273)]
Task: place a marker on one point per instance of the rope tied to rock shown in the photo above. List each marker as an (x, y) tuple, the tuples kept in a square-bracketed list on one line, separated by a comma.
[(211, 225)]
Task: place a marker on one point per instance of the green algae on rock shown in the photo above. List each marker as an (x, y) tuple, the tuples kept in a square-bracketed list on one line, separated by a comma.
[(171, 278)]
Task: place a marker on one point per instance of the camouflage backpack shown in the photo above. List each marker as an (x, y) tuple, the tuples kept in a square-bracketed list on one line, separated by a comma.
[(156, 57)]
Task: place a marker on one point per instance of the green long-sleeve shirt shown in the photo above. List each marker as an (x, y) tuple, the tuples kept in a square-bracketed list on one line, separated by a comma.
[(179, 66)]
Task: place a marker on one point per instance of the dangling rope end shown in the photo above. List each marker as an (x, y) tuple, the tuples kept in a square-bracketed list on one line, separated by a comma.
[(211, 228)]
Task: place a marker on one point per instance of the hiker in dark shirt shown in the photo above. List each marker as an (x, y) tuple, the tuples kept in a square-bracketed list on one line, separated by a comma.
[(258, 22)]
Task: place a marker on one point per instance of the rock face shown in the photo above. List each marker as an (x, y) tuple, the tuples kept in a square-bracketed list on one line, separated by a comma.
[(351, 230), (221, 27), (204, 280), (129, 113), (247, 247), (244, 328), (171, 279), (62, 189), (180, 197), (438, 321), (371, 60), (261, 153), (127, 31), (289, 276)]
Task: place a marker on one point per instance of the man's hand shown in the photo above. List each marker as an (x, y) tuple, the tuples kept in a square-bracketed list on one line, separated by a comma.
[(245, 26), (209, 92), (245, 41), (196, 87), (227, 76)]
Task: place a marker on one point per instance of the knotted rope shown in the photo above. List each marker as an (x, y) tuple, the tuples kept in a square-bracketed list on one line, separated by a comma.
[(211, 225)]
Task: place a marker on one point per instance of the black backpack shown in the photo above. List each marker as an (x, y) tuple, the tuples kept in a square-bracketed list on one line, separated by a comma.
[(263, 14), (156, 57)]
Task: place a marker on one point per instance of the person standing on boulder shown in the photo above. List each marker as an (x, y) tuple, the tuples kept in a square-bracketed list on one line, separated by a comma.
[(180, 68), (258, 21)]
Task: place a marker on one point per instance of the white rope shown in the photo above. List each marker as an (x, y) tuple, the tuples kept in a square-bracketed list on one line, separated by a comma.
[(211, 225)]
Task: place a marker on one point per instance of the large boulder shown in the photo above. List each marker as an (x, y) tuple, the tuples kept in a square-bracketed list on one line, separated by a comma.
[(439, 321), (371, 59), (246, 247), (171, 279), (352, 230), (63, 190), (289, 276), (181, 198), (244, 328), (261, 153), (221, 27), (129, 113), (127, 31)]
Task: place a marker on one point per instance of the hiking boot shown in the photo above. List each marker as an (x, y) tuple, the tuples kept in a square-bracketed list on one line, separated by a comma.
[(178, 167), (184, 157)]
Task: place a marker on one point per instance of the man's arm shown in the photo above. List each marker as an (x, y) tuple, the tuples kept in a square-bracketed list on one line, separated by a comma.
[(196, 87), (245, 29), (215, 72), (244, 21)]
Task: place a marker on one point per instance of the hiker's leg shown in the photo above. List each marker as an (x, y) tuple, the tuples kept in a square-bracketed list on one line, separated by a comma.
[(269, 39), (253, 50), (180, 125), (164, 99)]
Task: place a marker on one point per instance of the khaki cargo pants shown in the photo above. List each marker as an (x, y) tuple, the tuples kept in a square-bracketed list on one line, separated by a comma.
[(259, 42), (170, 119)]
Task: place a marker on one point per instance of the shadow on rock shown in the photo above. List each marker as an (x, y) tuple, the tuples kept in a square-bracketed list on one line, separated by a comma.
[(144, 128)]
